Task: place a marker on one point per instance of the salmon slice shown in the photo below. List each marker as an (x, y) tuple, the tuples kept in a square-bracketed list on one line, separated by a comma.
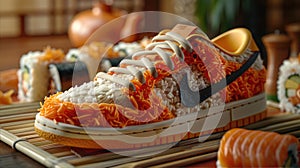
[(248, 148)]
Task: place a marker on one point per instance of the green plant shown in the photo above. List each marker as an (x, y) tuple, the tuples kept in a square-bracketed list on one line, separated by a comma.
[(216, 16)]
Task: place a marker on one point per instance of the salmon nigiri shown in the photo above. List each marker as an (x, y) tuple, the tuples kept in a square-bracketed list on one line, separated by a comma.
[(248, 148)]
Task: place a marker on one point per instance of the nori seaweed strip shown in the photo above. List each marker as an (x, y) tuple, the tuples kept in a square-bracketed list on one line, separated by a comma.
[(70, 74)]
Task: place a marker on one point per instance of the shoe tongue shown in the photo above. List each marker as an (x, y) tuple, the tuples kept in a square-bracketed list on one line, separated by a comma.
[(184, 30)]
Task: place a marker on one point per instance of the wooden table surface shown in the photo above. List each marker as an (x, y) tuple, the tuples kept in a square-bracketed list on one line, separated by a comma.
[(11, 49)]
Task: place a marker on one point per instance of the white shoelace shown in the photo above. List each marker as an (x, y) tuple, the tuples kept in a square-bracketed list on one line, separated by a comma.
[(160, 45)]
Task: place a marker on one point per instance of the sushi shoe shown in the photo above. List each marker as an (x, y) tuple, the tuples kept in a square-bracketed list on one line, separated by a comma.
[(182, 86)]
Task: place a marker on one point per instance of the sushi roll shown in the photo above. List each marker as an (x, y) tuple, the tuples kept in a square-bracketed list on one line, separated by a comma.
[(248, 148), (92, 55), (33, 75), (100, 56), (288, 86), (67, 74), (73, 55)]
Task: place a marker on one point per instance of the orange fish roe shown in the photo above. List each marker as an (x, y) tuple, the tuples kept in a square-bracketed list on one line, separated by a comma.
[(249, 84), (52, 55), (103, 114)]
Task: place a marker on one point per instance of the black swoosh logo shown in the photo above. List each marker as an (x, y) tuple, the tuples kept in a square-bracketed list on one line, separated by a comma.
[(191, 98)]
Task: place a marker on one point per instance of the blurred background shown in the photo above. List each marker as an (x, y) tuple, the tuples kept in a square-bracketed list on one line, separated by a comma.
[(33, 24)]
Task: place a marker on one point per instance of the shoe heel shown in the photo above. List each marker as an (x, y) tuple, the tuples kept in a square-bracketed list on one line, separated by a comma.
[(235, 42)]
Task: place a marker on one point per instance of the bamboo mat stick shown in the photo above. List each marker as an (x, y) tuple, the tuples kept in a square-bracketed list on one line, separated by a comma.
[(172, 156), (189, 161), (64, 153), (106, 156), (53, 145), (21, 130), (18, 126), (273, 120), (42, 142), (292, 124), (32, 151), (27, 137), (18, 105), (16, 123), (165, 149), (27, 133), (18, 117), (38, 140), (31, 134), (59, 150), (296, 133), (109, 163), (94, 158), (21, 110), (214, 136), (288, 129)]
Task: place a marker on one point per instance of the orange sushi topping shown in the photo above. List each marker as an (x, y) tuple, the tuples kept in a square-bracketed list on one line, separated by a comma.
[(248, 148), (55, 55)]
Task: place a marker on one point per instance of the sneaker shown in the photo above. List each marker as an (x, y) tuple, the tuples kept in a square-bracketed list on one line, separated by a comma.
[(182, 86)]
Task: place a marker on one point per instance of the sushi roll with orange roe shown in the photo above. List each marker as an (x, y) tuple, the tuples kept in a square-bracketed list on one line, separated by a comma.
[(248, 148), (33, 75)]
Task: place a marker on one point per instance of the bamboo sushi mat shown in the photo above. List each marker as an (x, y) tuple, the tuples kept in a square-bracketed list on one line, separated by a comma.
[(17, 130)]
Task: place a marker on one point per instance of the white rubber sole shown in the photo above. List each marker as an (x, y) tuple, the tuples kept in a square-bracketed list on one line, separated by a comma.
[(173, 130)]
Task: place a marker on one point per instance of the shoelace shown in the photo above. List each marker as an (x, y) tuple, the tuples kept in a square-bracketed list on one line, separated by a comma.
[(189, 98), (158, 46)]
